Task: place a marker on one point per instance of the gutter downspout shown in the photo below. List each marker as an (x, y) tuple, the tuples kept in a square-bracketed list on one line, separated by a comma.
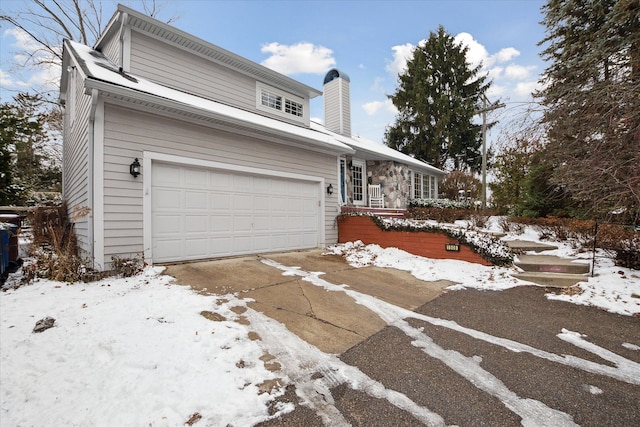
[(91, 172)]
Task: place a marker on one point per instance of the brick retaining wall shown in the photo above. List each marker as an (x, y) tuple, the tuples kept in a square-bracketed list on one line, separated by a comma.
[(422, 243)]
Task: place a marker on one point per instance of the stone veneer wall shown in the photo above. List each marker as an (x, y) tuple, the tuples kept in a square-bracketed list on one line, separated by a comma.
[(394, 180)]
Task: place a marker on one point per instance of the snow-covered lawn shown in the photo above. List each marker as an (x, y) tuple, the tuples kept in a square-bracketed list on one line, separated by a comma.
[(138, 351)]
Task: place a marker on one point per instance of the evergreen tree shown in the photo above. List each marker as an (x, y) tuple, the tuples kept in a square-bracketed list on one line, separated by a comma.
[(592, 100), (437, 98), (25, 166)]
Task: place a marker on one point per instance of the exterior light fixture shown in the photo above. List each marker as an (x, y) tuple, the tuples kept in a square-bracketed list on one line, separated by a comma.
[(330, 189), (134, 168)]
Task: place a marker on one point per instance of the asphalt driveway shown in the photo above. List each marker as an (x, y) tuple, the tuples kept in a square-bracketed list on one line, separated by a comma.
[(466, 358)]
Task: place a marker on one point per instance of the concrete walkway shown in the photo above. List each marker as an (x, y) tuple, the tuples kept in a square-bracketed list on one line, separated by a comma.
[(331, 321)]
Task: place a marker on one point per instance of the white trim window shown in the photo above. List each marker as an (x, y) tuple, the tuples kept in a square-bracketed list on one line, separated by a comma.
[(424, 186), (278, 102)]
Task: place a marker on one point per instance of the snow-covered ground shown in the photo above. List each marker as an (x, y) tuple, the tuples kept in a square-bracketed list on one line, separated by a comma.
[(139, 351)]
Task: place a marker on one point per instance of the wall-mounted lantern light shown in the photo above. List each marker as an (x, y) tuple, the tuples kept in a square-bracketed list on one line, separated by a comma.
[(134, 168), (330, 189)]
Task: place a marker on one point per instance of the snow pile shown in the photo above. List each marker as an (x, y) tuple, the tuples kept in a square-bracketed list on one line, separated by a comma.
[(131, 351), (464, 274)]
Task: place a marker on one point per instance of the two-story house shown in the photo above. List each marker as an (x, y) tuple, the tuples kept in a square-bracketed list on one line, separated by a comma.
[(177, 149)]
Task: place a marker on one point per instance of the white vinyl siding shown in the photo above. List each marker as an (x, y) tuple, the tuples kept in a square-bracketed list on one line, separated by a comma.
[(76, 158), (112, 49), (128, 133), (173, 67)]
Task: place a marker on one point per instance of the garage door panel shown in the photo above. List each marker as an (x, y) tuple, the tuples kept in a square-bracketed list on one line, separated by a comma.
[(219, 181), (166, 175), (220, 223), (166, 248), (196, 200), (242, 202), (167, 224), (200, 213), (197, 248), (242, 183), (196, 223), (220, 201), (196, 178), (166, 198)]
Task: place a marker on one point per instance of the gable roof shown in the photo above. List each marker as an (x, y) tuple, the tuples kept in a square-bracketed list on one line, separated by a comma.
[(191, 43), (369, 150), (101, 74)]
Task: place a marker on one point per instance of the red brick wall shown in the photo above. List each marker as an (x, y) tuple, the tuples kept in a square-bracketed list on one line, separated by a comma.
[(426, 244)]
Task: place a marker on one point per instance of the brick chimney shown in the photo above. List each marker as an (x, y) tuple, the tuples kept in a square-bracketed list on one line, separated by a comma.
[(337, 102)]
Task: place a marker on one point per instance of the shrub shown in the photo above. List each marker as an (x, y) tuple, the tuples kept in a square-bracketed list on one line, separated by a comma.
[(440, 203), (437, 214), (127, 267), (55, 248)]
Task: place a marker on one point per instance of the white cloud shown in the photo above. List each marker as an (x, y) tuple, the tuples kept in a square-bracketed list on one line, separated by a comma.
[(378, 85), (496, 91), (524, 89), (518, 72), (5, 79), (373, 107), (298, 58), (38, 69), (22, 40), (477, 53), (506, 54), (401, 55), (495, 72)]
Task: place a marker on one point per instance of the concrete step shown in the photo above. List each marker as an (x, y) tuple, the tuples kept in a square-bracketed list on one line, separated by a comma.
[(526, 246), (552, 280), (551, 264)]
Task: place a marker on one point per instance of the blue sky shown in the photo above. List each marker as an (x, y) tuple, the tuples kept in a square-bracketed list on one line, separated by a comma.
[(369, 40)]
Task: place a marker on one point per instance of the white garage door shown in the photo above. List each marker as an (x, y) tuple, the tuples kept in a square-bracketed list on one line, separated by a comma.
[(202, 213)]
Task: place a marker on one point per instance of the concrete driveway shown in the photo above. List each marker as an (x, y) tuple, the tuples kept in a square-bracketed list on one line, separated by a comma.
[(467, 358), (331, 321)]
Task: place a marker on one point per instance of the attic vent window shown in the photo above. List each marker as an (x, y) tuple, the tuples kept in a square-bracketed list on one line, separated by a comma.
[(283, 104)]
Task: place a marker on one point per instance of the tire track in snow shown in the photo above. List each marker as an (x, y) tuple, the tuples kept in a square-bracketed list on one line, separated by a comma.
[(625, 370), (531, 411), (302, 362)]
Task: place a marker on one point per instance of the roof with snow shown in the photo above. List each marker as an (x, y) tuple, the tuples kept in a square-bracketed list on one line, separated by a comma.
[(101, 74), (370, 150)]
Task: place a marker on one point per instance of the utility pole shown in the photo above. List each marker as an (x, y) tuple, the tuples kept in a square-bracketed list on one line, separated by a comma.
[(486, 108)]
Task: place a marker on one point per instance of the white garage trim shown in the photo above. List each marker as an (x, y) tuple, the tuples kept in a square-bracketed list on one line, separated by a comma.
[(150, 157)]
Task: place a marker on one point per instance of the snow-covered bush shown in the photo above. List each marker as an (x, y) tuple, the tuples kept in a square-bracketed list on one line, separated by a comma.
[(441, 203)]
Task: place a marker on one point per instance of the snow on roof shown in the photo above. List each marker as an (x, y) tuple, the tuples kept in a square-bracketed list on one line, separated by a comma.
[(373, 150), (99, 69)]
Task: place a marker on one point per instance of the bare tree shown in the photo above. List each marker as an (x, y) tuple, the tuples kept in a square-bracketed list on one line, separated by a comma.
[(48, 23)]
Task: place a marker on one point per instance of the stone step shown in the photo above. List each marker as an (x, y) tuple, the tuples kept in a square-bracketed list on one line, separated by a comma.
[(551, 264), (526, 246), (552, 280)]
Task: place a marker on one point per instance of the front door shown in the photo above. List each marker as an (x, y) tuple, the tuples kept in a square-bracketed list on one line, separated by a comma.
[(357, 179)]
